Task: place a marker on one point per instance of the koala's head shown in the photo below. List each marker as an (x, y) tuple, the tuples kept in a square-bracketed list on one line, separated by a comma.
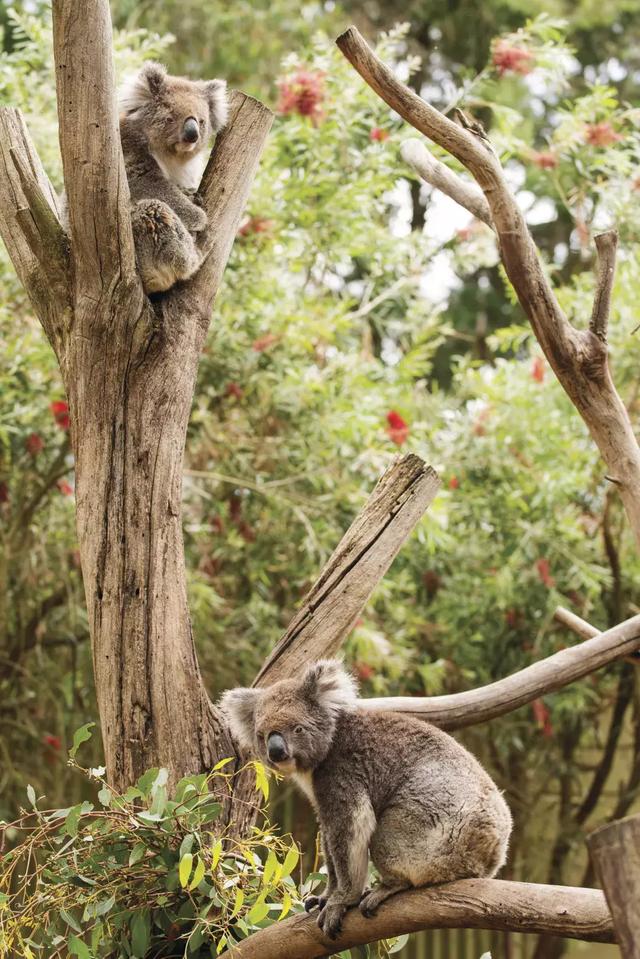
[(290, 725), (177, 115)]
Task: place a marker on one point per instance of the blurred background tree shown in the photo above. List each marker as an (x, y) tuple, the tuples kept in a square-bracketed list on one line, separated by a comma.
[(362, 315)]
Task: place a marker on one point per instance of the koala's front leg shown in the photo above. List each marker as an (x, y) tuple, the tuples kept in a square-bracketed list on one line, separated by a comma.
[(346, 839)]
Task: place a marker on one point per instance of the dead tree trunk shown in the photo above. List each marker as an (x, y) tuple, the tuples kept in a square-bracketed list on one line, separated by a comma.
[(615, 851)]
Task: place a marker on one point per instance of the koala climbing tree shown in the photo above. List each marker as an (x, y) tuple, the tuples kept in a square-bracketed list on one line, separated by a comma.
[(129, 369)]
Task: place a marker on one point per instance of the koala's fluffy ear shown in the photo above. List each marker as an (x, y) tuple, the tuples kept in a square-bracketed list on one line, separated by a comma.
[(328, 683), (239, 706), (147, 84), (216, 94)]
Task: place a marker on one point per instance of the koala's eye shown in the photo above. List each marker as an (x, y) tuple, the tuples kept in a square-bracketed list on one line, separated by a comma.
[(201, 123), (299, 729)]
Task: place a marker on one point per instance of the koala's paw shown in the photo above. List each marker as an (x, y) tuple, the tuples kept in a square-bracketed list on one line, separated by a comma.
[(314, 902), (371, 899), (330, 919), (194, 218)]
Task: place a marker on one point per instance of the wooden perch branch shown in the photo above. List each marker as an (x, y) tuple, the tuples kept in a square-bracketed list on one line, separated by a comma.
[(354, 569), (615, 851), (438, 175), (606, 245), (582, 628), (505, 695), (578, 357), (467, 904)]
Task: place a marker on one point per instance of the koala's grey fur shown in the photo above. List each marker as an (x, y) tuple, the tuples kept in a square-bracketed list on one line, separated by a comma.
[(380, 782), (163, 166)]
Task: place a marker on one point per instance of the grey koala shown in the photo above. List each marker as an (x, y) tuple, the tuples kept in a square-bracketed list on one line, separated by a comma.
[(165, 125), (380, 782)]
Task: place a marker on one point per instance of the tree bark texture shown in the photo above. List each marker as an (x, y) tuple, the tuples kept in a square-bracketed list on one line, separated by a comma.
[(615, 851)]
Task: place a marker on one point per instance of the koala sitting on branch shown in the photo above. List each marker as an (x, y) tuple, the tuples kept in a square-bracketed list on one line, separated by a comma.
[(165, 126), (380, 782)]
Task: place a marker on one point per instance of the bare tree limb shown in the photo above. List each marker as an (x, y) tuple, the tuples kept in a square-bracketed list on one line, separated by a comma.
[(582, 628), (606, 244), (467, 904), (355, 568), (438, 175), (94, 174), (505, 695), (615, 850), (578, 358), (30, 227)]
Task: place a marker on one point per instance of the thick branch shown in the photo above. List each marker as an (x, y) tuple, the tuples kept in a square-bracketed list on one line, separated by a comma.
[(467, 904), (578, 358), (505, 695), (438, 175), (606, 244), (615, 851), (94, 175), (355, 568), (29, 224)]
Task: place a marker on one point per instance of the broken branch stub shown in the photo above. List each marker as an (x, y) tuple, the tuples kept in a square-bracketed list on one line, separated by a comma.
[(354, 569)]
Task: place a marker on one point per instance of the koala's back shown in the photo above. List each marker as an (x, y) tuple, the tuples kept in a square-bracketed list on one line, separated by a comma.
[(439, 815)]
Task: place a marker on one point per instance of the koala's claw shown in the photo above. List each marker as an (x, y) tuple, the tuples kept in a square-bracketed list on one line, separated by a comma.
[(314, 902), (371, 899), (330, 919)]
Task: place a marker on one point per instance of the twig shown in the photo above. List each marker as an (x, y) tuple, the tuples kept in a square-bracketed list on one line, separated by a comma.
[(438, 175), (606, 244)]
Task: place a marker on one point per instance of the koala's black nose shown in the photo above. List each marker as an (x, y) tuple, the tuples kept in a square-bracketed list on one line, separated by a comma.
[(276, 748), (191, 130)]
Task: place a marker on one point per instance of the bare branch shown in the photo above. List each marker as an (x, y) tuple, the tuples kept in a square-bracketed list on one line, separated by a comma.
[(606, 245), (354, 570), (438, 175), (575, 623), (615, 851), (468, 904), (94, 175), (505, 695), (29, 224), (579, 359)]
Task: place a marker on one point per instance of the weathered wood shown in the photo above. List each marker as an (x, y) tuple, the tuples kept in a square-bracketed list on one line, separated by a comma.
[(438, 175), (467, 904), (578, 357), (615, 851), (505, 695), (355, 568), (606, 245)]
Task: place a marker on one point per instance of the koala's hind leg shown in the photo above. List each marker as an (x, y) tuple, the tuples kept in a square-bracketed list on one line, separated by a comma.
[(165, 250)]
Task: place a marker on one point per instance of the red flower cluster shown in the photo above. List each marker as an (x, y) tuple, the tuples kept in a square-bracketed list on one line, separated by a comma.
[(65, 488), (232, 389), (303, 93), (364, 671), (256, 224), (510, 59), (538, 369), (544, 572), (454, 482), (601, 134), (54, 742), (398, 429), (60, 411), (34, 444), (542, 717), (545, 159), (264, 342), (377, 133)]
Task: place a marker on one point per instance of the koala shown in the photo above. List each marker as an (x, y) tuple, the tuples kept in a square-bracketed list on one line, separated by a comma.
[(165, 125), (380, 782)]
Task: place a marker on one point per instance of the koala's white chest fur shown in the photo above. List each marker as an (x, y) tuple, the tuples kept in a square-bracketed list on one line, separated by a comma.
[(184, 173), (304, 782)]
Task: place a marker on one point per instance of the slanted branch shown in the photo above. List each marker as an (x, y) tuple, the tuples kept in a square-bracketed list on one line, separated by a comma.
[(467, 904), (577, 356)]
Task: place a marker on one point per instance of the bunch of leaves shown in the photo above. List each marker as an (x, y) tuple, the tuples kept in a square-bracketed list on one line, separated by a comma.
[(132, 873)]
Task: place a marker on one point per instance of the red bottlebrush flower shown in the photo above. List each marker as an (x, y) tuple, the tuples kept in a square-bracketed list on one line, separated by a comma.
[(54, 742), (60, 411), (544, 572), (545, 159), (34, 444), (454, 482), (537, 369), (232, 389), (510, 59), (377, 133), (601, 134), (512, 618), (235, 508), (65, 488), (256, 224), (4, 493), (302, 93), (264, 342), (542, 717), (364, 671), (398, 429), (247, 532), (217, 525)]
